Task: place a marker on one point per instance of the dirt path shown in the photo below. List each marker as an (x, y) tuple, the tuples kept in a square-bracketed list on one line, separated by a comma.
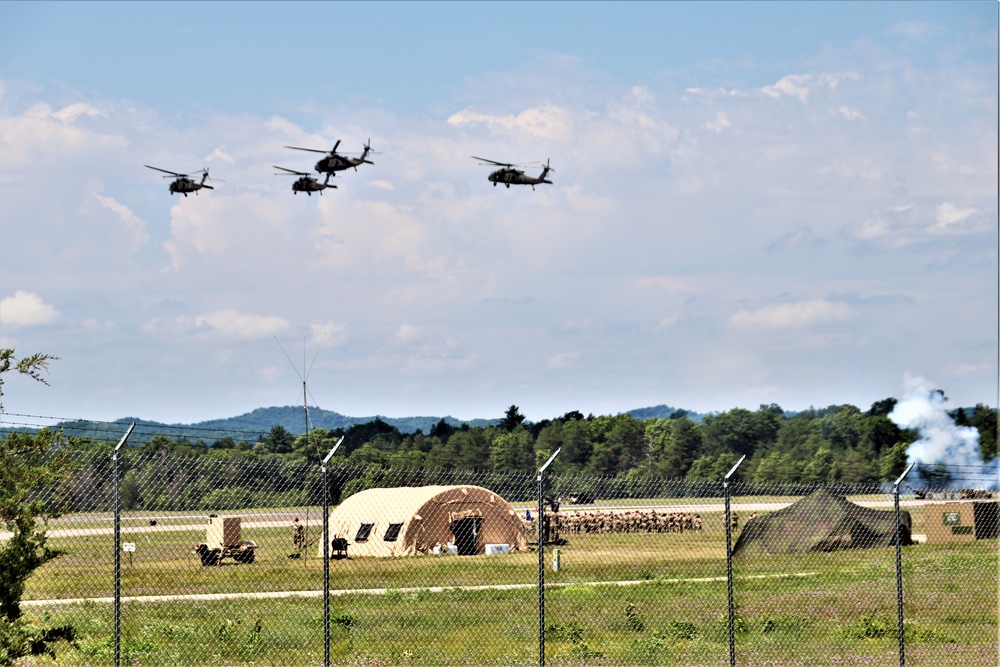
[(152, 599)]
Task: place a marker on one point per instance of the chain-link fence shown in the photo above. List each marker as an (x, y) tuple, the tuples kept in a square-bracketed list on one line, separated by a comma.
[(222, 561)]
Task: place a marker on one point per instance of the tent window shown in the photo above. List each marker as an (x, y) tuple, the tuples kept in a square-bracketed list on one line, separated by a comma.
[(363, 532), (392, 532)]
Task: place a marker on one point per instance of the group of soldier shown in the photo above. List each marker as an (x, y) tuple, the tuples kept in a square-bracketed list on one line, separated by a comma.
[(635, 521)]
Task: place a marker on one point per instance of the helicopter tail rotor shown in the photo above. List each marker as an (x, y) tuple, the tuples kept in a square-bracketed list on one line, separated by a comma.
[(206, 177), (545, 171), (367, 150)]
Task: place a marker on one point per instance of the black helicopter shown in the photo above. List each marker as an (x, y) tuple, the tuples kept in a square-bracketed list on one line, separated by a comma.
[(509, 175), (305, 183), (184, 183), (335, 161)]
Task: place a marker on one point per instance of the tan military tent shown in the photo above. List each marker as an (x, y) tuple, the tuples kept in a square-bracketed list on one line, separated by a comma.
[(412, 520)]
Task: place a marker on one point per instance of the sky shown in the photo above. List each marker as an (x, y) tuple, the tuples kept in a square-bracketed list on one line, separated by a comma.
[(752, 203)]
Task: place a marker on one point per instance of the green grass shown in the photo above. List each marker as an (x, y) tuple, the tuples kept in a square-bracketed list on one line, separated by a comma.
[(843, 606)]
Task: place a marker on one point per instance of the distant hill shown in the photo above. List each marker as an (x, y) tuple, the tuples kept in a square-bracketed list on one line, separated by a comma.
[(665, 412), (252, 425)]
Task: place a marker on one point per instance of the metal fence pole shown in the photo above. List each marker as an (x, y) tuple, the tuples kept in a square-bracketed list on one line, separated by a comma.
[(729, 566), (899, 569), (326, 555), (541, 558), (118, 549)]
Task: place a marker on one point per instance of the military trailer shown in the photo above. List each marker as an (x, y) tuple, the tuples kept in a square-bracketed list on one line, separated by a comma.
[(962, 521), (223, 540)]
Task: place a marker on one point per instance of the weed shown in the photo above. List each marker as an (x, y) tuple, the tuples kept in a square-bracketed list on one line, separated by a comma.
[(632, 620), (870, 627), (569, 632), (681, 630), (912, 633), (345, 621)]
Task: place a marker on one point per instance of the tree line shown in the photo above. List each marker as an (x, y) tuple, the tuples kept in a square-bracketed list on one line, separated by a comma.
[(839, 444)]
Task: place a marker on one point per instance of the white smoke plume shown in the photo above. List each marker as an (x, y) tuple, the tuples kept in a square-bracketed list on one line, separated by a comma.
[(941, 441)]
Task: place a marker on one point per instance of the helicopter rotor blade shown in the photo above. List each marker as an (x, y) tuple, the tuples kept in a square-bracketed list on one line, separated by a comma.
[(335, 147), (484, 160), (289, 171), (311, 150), (172, 173)]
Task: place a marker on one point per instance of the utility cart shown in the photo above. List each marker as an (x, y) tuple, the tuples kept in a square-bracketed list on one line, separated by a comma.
[(223, 540)]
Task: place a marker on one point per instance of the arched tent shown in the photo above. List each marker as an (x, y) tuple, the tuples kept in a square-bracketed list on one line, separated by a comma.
[(409, 520), (821, 521)]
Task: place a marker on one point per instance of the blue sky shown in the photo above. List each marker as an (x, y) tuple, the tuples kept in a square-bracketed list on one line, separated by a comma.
[(752, 203)]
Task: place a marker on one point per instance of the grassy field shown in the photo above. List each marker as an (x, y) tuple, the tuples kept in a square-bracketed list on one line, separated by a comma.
[(829, 609)]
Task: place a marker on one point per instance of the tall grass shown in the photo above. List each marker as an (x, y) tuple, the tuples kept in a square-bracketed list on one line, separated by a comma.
[(838, 609)]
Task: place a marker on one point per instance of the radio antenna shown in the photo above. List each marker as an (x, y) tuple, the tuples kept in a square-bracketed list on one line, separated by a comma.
[(304, 375)]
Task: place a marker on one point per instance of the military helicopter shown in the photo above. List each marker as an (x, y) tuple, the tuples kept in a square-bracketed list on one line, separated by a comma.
[(305, 183), (184, 183), (508, 174), (335, 161)]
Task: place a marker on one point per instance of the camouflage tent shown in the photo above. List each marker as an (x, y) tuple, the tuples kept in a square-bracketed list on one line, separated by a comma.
[(821, 521)]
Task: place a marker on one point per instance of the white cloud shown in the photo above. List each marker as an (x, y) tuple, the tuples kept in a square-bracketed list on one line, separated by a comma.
[(793, 85), (850, 114), (26, 309), (950, 216), (135, 226), (545, 122), (41, 131), (334, 334), (800, 86), (234, 324), (408, 333), (804, 314), (720, 123), (70, 113), (220, 154), (562, 360), (924, 225)]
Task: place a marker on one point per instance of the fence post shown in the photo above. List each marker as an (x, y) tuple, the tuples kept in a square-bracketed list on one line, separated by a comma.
[(541, 558), (326, 555), (899, 569), (729, 565), (118, 549)]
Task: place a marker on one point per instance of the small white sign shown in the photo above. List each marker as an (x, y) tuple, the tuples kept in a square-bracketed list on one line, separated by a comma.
[(128, 546)]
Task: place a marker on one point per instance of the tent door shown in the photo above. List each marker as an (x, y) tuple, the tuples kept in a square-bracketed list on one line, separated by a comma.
[(466, 532)]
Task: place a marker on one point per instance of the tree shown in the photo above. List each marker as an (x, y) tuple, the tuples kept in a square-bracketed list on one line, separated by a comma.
[(277, 441), (512, 418), (512, 452), (31, 366), (675, 444), (31, 470), (985, 420)]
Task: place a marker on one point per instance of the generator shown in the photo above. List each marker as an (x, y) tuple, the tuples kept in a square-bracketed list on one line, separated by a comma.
[(223, 539)]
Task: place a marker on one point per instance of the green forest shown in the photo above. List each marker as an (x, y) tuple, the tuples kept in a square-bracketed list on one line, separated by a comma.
[(839, 444)]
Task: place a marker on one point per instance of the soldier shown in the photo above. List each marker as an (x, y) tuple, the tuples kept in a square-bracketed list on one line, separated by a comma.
[(298, 535)]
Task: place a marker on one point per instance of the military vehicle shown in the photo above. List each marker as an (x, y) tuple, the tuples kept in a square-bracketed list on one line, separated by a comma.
[(223, 540)]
